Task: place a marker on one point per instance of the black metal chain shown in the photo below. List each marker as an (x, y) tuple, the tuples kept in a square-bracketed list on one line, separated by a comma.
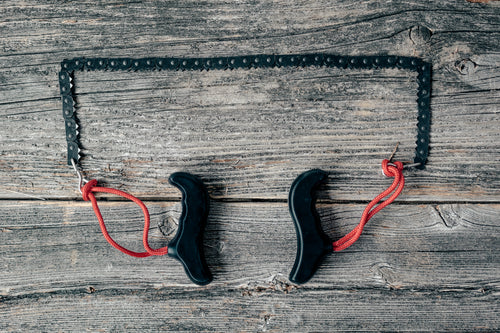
[(423, 69)]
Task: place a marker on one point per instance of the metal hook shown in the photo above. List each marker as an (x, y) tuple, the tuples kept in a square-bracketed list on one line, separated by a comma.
[(406, 164), (411, 165), (394, 152), (81, 180)]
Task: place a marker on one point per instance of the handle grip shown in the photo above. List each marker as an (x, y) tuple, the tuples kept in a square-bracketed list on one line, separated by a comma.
[(312, 243), (187, 245)]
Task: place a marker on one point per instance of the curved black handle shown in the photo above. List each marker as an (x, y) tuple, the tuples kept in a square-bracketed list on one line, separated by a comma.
[(312, 243), (187, 245)]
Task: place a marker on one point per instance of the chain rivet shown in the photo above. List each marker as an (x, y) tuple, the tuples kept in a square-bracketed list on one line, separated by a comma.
[(252, 61)]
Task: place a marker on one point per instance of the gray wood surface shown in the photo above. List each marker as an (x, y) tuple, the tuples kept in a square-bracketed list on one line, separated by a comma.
[(428, 262), (428, 266)]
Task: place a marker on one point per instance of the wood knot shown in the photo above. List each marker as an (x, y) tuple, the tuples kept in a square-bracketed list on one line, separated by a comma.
[(465, 66), (420, 35), (387, 275), (169, 221), (167, 225)]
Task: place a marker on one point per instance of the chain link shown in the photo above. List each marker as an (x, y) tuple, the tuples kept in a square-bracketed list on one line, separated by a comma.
[(69, 67)]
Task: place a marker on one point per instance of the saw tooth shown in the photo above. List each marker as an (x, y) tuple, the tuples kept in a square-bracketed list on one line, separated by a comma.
[(424, 69)]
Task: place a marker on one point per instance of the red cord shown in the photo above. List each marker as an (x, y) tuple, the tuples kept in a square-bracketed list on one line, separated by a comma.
[(393, 169), (88, 194)]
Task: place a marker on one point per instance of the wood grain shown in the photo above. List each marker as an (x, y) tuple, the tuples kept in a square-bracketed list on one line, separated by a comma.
[(403, 247), (428, 266), (348, 115), (429, 262), (264, 310)]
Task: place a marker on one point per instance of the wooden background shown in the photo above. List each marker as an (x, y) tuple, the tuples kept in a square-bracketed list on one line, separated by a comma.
[(429, 262)]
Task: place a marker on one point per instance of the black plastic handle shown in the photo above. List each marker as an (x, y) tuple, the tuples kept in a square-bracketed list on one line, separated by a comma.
[(187, 245), (312, 243)]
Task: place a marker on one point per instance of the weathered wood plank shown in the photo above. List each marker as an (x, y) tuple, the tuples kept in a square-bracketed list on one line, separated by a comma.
[(56, 246), (464, 159), (157, 25), (429, 267), (266, 310), (207, 140)]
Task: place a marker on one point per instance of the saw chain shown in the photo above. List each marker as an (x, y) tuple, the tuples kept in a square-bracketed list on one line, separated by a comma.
[(70, 67)]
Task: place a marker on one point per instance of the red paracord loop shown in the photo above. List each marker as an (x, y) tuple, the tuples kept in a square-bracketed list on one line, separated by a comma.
[(88, 194), (390, 169)]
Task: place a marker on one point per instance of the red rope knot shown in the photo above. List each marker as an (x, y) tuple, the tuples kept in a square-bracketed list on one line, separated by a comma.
[(389, 168), (87, 189)]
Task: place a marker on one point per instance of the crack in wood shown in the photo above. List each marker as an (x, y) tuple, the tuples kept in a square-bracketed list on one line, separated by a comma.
[(443, 218), (275, 283), (182, 291), (480, 1)]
